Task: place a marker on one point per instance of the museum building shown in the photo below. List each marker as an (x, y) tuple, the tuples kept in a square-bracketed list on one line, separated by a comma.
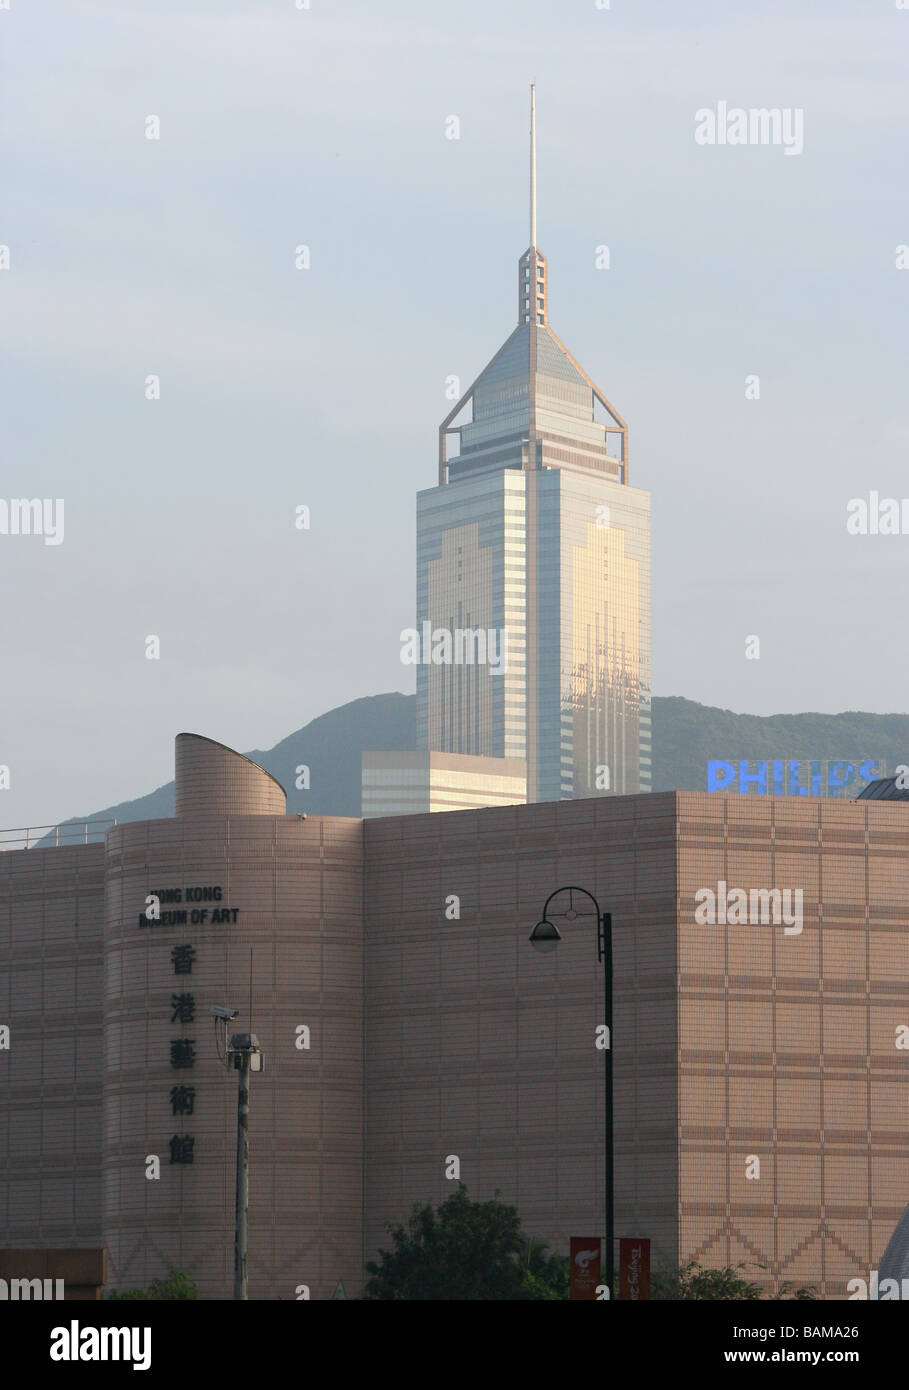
[(759, 1039)]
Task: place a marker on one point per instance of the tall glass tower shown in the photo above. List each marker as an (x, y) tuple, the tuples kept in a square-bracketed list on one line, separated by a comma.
[(535, 543)]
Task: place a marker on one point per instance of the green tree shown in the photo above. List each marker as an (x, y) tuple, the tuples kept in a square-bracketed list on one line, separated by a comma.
[(724, 1285), (175, 1286), (465, 1250), (543, 1275)]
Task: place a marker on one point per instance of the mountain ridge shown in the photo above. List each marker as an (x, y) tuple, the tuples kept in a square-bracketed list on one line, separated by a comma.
[(686, 735)]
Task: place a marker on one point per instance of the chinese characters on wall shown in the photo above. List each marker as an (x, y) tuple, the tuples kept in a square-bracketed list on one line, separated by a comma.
[(181, 910)]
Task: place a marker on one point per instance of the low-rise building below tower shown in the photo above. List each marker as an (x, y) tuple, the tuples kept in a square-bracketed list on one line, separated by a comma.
[(760, 958)]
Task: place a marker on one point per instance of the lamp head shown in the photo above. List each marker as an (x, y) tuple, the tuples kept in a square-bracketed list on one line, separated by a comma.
[(545, 937)]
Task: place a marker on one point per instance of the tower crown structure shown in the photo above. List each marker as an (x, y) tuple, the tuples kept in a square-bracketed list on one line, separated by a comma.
[(533, 406)]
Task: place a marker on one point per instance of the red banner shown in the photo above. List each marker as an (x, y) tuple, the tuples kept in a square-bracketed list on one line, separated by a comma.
[(584, 1266), (634, 1269)]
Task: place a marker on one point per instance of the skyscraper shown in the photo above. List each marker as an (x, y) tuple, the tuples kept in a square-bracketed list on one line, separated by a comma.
[(535, 545)]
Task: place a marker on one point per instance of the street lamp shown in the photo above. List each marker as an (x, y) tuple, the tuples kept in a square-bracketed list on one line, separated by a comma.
[(244, 1056), (545, 937)]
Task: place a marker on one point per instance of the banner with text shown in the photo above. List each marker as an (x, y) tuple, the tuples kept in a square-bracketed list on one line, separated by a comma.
[(634, 1269), (584, 1266)]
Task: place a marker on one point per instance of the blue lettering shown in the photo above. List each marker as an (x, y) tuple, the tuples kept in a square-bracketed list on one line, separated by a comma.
[(720, 776), (839, 775), (759, 777)]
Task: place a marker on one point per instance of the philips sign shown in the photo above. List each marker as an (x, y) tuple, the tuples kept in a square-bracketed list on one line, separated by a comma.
[(794, 777)]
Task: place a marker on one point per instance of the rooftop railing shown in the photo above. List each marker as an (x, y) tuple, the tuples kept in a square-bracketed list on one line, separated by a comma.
[(86, 832)]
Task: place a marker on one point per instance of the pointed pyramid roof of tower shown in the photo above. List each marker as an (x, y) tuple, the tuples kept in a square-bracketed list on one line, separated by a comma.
[(533, 405)]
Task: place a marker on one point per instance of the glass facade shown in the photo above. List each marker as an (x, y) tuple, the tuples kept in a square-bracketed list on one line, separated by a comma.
[(593, 675), (471, 562)]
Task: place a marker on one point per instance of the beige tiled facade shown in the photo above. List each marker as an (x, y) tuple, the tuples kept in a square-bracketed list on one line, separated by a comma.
[(733, 1043), (296, 887), (788, 1045), (437, 1033), (51, 941), (89, 994), (480, 1048), (211, 778)]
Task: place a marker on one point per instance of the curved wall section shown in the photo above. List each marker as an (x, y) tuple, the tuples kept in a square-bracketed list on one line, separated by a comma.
[(212, 780), (290, 890)]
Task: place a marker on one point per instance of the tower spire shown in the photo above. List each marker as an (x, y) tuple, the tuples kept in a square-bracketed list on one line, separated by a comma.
[(533, 166), (532, 278)]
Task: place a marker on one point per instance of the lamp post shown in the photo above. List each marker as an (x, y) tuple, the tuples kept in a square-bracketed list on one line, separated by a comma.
[(244, 1055), (243, 1047), (545, 937)]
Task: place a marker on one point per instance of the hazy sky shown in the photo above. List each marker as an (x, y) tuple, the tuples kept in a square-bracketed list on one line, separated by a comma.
[(325, 387)]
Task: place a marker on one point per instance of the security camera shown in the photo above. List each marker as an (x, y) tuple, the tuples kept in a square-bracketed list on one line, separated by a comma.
[(223, 1013)]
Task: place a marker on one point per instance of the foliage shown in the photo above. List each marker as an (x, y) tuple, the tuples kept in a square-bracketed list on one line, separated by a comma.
[(175, 1286), (466, 1250), (727, 1285), (802, 1294)]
